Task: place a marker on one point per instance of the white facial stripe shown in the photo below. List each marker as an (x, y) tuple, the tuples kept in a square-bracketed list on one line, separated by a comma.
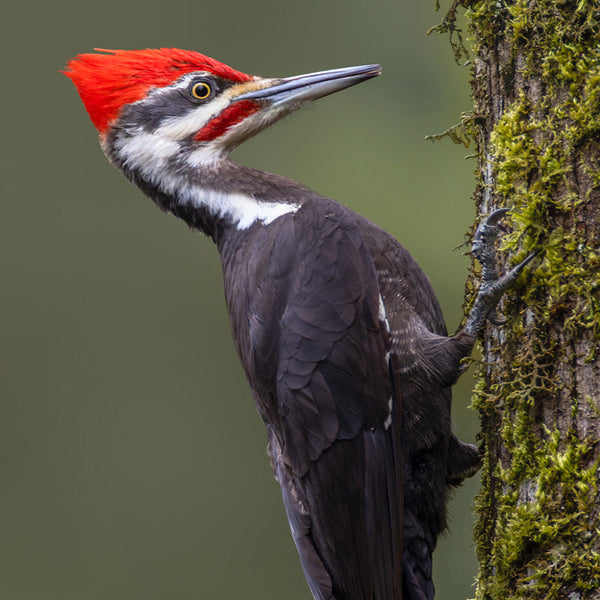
[(178, 128), (146, 150), (205, 156), (148, 153), (195, 120), (211, 152)]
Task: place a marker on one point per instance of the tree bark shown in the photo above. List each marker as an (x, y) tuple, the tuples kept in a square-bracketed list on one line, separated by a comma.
[(536, 122)]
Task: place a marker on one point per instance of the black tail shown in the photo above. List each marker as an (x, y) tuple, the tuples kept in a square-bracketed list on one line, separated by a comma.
[(417, 583)]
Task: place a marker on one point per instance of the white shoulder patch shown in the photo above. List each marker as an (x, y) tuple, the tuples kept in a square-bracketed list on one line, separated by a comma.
[(383, 314), (388, 421)]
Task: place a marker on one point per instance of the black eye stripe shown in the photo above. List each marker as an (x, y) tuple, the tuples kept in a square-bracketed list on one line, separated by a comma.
[(176, 101)]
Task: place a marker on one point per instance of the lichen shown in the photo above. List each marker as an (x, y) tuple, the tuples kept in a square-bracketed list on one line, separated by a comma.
[(538, 528)]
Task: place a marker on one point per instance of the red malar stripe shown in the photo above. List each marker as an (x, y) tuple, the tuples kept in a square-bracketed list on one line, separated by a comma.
[(232, 115)]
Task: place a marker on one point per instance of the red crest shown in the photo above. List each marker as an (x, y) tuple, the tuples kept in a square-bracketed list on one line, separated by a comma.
[(108, 81)]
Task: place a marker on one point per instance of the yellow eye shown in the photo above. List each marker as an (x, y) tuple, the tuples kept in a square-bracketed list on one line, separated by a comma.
[(201, 90)]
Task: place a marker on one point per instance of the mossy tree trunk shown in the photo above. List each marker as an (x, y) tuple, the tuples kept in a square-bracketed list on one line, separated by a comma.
[(536, 121)]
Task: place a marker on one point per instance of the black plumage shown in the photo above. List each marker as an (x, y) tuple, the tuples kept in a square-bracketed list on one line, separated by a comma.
[(338, 329), (365, 491), (325, 372)]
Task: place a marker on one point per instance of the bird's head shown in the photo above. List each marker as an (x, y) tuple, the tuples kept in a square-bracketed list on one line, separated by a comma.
[(173, 100), (168, 119)]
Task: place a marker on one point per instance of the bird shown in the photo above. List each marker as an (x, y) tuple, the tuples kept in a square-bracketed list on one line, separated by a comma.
[(338, 329)]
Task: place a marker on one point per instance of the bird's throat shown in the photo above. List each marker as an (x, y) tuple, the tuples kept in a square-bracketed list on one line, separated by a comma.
[(209, 197)]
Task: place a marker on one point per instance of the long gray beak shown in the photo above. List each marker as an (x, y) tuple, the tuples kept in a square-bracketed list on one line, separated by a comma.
[(311, 86)]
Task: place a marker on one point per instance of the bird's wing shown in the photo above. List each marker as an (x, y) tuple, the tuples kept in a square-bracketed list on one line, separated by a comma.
[(335, 449)]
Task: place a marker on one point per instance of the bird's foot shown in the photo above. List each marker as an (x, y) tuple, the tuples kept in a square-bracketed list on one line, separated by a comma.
[(492, 285)]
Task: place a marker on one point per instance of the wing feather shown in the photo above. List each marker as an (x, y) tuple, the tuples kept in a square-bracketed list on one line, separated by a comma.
[(335, 459)]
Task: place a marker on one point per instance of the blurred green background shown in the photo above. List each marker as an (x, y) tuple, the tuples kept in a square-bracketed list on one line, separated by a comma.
[(132, 461)]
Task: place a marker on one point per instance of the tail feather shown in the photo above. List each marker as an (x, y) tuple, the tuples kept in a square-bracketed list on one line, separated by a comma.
[(417, 583)]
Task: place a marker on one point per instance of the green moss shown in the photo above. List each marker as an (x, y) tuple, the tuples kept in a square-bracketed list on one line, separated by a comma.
[(542, 541), (537, 534), (535, 141), (462, 132), (449, 26)]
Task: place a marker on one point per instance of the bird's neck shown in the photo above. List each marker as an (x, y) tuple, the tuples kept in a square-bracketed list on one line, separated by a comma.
[(214, 196)]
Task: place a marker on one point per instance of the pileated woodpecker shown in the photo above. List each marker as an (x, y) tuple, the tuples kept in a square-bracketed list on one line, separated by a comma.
[(337, 328)]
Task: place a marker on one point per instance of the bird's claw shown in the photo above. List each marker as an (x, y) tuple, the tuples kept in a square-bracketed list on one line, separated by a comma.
[(495, 319), (492, 285), (484, 244), (494, 220)]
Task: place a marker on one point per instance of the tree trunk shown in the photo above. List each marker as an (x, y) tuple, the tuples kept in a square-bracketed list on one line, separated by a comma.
[(536, 121)]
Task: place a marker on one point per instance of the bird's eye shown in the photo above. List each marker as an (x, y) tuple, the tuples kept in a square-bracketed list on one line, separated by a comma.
[(201, 90)]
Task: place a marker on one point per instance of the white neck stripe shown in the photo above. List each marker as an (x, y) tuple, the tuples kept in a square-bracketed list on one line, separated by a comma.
[(148, 155), (243, 210)]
